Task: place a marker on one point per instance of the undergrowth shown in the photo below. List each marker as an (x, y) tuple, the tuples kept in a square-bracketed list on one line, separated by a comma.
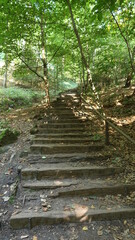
[(14, 97)]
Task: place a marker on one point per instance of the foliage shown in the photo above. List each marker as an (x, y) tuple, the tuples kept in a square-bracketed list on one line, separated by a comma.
[(8, 136), (14, 97), (106, 30)]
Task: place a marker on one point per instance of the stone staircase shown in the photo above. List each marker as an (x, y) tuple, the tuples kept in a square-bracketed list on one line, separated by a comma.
[(64, 180)]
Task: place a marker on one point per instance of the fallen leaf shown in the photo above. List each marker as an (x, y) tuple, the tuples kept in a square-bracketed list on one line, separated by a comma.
[(23, 237), (85, 228), (125, 222), (35, 238), (16, 212), (109, 209), (100, 232), (45, 209), (133, 231), (92, 207), (67, 209)]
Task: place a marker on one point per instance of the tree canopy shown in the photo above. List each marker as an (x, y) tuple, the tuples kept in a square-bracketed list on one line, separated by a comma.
[(41, 36)]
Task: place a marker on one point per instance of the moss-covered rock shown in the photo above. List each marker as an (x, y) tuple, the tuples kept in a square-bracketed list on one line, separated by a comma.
[(8, 136)]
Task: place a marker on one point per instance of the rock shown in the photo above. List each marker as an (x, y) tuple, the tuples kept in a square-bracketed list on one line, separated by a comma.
[(13, 188), (6, 199)]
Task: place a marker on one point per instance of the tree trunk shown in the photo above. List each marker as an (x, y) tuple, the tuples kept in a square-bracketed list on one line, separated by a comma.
[(128, 80), (80, 76), (84, 61), (6, 70), (57, 78), (130, 53), (45, 76), (79, 41)]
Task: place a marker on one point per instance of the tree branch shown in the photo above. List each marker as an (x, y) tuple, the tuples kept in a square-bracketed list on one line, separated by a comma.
[(57, 50), (126, 41), (30, 68)]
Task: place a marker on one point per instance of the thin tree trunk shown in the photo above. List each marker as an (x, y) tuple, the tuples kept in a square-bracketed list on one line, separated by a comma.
[(80, 75), (84, 61), (57, 79), (6, 71), (79, 42), (44, 62), (83, 77), (131, 56)]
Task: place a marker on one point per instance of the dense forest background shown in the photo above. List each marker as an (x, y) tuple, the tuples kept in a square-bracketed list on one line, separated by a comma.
[(56, 45)]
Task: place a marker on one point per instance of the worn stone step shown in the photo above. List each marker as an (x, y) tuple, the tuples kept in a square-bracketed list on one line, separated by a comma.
[(92, 157), (63, 130), (100, 189), (84, 172), (49, 184), (60, 112), (62, 107), (63, 125), (70, 97), (74, 188), (64, 148), (63, 118), (59, 103), (63, 135), (55, 119), (30, 219), (62, 140)]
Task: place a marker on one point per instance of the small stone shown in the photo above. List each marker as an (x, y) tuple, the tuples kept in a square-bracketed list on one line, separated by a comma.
[(5, 212), (6, 199), (100, 232), (44, 204), (23, 237)]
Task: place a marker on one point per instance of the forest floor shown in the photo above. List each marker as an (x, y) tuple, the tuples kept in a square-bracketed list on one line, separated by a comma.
[(119, 107)]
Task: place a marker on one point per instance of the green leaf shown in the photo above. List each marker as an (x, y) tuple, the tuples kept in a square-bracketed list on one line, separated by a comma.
[(100, 16)]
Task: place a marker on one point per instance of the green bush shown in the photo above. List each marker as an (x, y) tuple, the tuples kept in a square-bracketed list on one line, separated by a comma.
[(8, 136), (15, 97)]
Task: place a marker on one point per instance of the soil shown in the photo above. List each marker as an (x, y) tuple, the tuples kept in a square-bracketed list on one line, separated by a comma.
[(122, 154)]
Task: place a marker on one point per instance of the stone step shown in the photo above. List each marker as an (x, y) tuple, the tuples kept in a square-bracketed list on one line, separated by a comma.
[(64, 148), (63, 135), (73, 188), (60, 112), (55, 119), (101, 189), (62, 108), (59, 103), (62, 115), (84, 172), (62, 140), (30, 219), (63, 130), (92, 157), (48, 184), (71, 98), (63, 125)]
